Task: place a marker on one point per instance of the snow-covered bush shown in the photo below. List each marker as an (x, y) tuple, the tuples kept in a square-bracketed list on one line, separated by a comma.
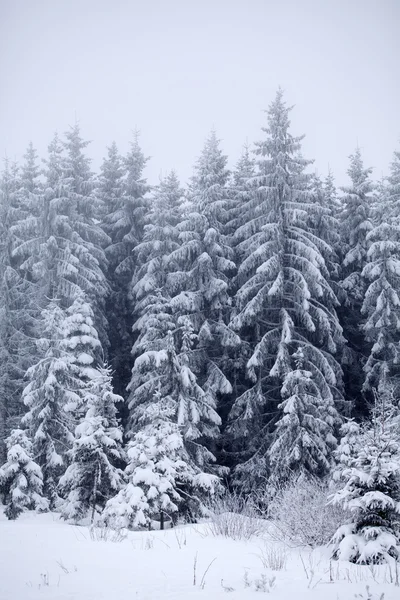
[(236, 517), (21, 479), (371, 491), (301, 514)]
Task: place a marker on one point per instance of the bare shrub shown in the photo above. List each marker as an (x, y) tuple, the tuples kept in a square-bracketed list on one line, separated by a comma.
[(234, 517), (273, 557), (301, 514), (103, 533)]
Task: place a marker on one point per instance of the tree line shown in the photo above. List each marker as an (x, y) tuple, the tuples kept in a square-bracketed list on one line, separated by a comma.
[(158, 342)]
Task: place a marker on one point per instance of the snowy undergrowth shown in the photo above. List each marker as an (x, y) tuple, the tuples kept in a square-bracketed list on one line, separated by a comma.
[(43, 557)]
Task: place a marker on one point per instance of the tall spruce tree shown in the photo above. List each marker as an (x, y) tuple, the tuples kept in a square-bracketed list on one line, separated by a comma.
[(284, 306), (123, 222), (381, 305), (203, 263), (355, 227), (59, 244), (18, 308)]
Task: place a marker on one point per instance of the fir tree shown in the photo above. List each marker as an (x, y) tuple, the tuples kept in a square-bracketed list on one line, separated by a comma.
[(190, 407), (303, 438), (382, 306), (199, 284), (161, 477), (110, 189), (371, 491), (355, 227), (284, 303), (123, 222), (81, 189), (51, 396), (92, 477), (81, 341), (18, 310), (393, 190), (58, 243), (21, 479)]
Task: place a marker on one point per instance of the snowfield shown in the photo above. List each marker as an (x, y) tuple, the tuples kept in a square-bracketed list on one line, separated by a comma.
[(42, 557)]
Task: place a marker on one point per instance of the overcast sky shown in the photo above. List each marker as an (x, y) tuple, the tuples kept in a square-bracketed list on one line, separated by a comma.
[(176, 68)]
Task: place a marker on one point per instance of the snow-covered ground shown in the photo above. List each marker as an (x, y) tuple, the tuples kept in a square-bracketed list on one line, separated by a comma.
[(42, 558)]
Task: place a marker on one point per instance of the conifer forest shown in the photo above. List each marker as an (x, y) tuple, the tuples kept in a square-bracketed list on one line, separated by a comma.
[(164, 345)]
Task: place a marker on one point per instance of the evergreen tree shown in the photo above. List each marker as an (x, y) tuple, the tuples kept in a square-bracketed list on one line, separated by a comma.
[(284, 303), (355, 227), (303, 438), (198, 284), (18, 310), (92, 477), (80, 340), (91, 276), (326, 224), (393, 191), (59, 244), (123, 222), (30, 172), (371, 491), (161, 477), (382, 306), (191, 407), (21, 479), (51, 396), (241, 190), (350, 443)]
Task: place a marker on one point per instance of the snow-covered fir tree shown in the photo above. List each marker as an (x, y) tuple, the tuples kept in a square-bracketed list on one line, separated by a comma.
[(88, 208), (203, 263), (93, 476), (80, 340), (326, 224), (284, 303), (51, 396), (304, 435), (160, 240), (111, 185), (123, 221), (18, 309), (21, 479), (58, 243), (192, 408), (348, 447), (355, 225), (381, 306), (393, 188), (163, 480), (164, 389), (370, 489)]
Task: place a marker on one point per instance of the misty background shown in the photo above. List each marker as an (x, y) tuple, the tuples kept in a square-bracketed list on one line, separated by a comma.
[(175, 69)]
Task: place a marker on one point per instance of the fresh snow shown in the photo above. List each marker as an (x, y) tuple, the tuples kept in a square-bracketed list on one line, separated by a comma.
[(41, 557)]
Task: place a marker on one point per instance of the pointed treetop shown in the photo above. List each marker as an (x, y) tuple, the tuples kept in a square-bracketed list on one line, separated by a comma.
[(76, 164), (359, 175), (54, 169), (30, 170), (210, 168), (135, 160)]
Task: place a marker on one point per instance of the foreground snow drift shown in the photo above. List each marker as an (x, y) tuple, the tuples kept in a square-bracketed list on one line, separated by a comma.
[(42, 557)]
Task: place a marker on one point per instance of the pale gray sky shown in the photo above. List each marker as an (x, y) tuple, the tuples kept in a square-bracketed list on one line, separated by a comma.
[(176, 68)]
